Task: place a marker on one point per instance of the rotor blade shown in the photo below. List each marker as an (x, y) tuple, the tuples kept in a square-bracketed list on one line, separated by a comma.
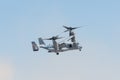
[(70, 28), (81, 26), (60, 37), (66, 27), (47, 39), (66, 30), (76, 27), (57, 37), (53, 38)]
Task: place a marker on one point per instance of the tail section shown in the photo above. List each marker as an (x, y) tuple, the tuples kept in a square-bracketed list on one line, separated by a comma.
[(34, 46), (41, 42)]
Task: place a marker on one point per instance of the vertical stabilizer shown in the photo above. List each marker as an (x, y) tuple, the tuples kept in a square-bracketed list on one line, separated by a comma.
[(41, 42), (34, 46)]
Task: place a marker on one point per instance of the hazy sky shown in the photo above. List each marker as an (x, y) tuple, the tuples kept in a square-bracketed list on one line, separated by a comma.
[(22, 21)]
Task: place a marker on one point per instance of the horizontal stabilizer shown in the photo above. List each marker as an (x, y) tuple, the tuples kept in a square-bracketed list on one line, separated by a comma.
[(34, 46)]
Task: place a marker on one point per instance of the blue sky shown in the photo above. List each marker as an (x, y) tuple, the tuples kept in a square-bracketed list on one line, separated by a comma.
[(22, 21)]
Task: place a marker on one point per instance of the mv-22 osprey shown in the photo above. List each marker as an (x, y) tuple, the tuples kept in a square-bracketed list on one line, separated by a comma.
[(59, 47)]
